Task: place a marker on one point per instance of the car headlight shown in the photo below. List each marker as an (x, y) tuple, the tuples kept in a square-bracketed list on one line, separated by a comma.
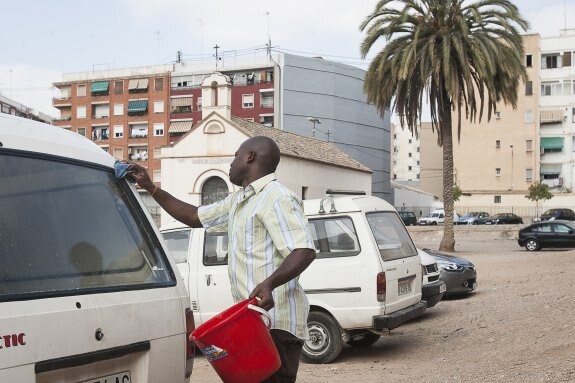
[(449, 266)]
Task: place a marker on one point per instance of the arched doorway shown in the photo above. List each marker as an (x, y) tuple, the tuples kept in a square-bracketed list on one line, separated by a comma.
[(214, 189)]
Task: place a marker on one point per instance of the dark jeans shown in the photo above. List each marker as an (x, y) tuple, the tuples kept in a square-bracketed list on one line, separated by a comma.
[(289, 347)]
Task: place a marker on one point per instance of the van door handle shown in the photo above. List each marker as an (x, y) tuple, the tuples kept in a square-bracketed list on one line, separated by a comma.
[(208, 279)]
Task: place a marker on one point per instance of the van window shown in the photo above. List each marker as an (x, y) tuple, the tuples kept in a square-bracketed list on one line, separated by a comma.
[(215, 249), (68, 228), (178, 243), (334, 237), (391, 236)]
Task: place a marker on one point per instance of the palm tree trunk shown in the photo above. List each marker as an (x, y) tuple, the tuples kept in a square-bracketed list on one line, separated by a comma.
[(448, 240)]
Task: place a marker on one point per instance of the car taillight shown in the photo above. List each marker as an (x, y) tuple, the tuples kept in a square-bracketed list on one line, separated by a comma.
[(190, 346), (381, 287)]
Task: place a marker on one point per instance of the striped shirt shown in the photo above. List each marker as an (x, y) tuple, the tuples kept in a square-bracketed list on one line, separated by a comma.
[(265, 222)]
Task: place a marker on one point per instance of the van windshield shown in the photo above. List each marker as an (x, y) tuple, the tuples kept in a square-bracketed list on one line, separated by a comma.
[(392, 238), (69, 228)]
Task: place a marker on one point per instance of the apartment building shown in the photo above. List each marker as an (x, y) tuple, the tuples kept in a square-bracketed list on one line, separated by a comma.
[(124, 112), (15, 108), (406, 155)]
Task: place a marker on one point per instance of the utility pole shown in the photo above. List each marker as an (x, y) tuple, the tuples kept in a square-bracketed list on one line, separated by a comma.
[(217, 57), (179, 57), (511, 146), (314, 120)]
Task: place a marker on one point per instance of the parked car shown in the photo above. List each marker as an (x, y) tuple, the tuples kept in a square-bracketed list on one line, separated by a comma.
[(556, 233), (459, 275), (408, 218), (436, 217), (473, 218), (366, 279), (432, 287), (552, 214), (504, 218), (88, 292)]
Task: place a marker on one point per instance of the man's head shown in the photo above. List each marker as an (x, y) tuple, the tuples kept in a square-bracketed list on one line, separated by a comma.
[(255, 158)]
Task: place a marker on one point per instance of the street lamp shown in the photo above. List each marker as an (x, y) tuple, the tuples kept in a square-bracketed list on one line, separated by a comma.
[(511, 146), (314, 120)]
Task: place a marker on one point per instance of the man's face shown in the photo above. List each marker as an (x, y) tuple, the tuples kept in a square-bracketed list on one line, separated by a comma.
[(238, 167)]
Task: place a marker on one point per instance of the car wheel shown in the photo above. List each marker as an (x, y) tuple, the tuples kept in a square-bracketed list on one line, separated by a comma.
[(368, 338), (475, 223), (325, 342), (532, 244), (434, 223)]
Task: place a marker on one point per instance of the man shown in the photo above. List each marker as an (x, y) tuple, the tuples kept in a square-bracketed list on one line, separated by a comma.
[(269, 242)]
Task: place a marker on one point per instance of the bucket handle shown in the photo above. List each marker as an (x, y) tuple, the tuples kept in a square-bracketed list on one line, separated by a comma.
[(263, 313)]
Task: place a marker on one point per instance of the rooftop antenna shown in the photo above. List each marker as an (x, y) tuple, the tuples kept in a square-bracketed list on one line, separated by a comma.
[(218, 58), (269, 43)]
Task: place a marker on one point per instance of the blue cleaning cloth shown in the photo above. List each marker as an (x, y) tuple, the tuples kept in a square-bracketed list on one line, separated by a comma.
[(121, 169)]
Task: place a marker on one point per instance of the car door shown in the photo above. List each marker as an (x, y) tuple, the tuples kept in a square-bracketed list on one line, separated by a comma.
[(564, 235), (213, 283), (545, 234)]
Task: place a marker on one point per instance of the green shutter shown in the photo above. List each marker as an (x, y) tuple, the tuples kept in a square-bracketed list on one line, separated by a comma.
[(551, 142), (137, 106), (99, 87)]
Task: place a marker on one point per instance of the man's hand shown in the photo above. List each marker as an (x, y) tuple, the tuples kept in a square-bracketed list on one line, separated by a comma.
[(139, 175), (264, 292)]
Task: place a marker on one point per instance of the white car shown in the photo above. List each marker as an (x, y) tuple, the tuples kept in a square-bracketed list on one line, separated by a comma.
[(87, 291), (366, 279), (436, 217)]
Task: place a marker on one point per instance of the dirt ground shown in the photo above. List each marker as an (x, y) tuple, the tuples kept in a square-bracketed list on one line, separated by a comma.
[(518, 327)]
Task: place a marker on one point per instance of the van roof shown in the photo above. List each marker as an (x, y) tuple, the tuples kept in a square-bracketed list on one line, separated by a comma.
[(345, 204), (23, 134)]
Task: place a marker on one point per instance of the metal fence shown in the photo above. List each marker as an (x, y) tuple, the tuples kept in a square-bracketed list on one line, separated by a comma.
[(528, 213)]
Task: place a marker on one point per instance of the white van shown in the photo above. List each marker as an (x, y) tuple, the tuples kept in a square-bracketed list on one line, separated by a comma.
[(87, 293), (437, 216), (365, 280)]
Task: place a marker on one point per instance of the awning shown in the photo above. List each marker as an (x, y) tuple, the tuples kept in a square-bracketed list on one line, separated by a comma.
[(138, 84), (180, 126), (182, 101), (551, 116), (551, 142), (99, 87), (550, 169), (137, 106)]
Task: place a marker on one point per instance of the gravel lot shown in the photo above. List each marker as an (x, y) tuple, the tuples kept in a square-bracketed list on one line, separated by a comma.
[(518, 327)]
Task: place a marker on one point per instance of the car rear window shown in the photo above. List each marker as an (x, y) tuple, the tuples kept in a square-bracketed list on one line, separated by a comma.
[(69, 228), (392, 238)]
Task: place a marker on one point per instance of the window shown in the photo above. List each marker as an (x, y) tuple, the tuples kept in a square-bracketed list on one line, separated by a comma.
[(159, 84), (118, 109), (549, 61), (113, 249), (498, 172), (139, 130), (529, 145), (390, 235), (267, 120), (119, 153), (528, 116), (118, 131), (334, 237), (157, 152), (497, 144), (551, 88), (139, 85), (81, 112), (81, 90), (528, 174), (409, 168), (409, 155), (100, 110), (199, 104), (497, 199), (181, 104), (158, 106), (119, 87), (214, 189), (138, 153), (247, 101), (497, 115), (566, 59), (157, 176), (267, 100), (410, 140), (529, 61), (418, 149), (573, 114), (215, 249), (178, 243), (82, 131), (529, 88), (159, 129)]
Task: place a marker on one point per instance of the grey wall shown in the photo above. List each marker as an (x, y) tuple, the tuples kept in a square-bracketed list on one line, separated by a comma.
[(333, 93)]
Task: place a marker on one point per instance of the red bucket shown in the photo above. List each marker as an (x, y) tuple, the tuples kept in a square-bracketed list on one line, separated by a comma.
[(238, 344)]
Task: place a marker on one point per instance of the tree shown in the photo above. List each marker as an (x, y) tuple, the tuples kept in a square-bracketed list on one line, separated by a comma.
[(456, 193), (538, 191), (463, 55)]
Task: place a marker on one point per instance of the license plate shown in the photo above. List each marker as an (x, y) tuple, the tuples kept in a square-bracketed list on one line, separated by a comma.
[(121, 377), (442, 289), (474, 285), (404, 286)]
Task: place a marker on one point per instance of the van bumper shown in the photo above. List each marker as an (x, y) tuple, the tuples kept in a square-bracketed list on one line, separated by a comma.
[(433, 292), (391, 321)]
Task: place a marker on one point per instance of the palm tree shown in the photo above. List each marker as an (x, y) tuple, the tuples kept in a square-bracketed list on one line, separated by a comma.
[(463, 55)]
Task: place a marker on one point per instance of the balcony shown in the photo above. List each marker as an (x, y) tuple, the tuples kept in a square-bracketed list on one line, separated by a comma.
[(551, 116)]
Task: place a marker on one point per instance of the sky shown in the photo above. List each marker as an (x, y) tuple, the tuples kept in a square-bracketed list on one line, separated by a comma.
[(40, 40)]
